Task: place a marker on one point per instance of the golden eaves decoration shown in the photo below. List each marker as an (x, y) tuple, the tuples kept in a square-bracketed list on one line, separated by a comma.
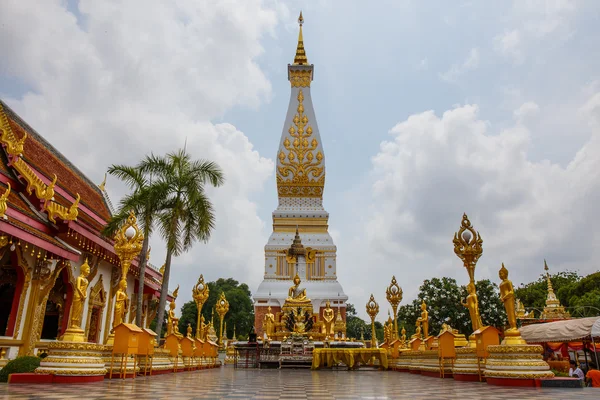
[(66, 214), (300, 78), (300, 171), (14, 146)]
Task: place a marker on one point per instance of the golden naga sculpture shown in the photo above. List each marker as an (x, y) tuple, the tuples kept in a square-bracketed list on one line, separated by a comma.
[(295, 293), (473, 305), (424, 320), (172, 320), (121, 305), (269, 323), (42, 191), (328, 319), (393, 294), (79, 295), (66, 214), (14, 146), (200, 294), (507, 295), (468, 246), (3, 204)]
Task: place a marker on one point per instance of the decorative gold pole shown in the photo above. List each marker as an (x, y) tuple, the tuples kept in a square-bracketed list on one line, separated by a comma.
[(373, 310), (200, 294), (222, 308), (128, 244), (393, 293), (468, 247)]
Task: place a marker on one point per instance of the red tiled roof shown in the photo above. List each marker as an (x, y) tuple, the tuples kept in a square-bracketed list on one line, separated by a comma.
[(44, 158)]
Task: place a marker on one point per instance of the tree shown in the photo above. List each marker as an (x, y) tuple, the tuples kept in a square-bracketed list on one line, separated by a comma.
[(241, 311), (443, 298), (186, 214), (356, 326), (534, 294), (145, 201), (582, 296)]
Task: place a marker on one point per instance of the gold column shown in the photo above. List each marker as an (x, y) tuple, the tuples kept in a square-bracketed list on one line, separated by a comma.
[(373, 310), (128, 244), (393, 293), (468, 246), (200, 294), (222, 308)]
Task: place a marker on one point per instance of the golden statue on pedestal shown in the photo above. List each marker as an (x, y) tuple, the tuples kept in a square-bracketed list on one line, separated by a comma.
[(269, 323), (472, 304), (79, 295), (295, 294), (172, 320), (424, 319), (507, 295), (121, 301), (403, 342), (189, 332), (328, 319), (203, 329)]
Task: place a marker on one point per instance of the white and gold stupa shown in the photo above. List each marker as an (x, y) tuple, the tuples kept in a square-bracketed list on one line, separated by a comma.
[(300, 182)]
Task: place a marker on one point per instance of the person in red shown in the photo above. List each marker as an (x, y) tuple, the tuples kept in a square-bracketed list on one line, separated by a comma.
[(593, 377)]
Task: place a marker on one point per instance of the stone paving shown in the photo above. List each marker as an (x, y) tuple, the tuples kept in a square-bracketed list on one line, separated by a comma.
[(227, 383)]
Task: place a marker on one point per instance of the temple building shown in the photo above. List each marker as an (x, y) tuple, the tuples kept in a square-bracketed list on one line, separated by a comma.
[(51, 218), (300, 172)]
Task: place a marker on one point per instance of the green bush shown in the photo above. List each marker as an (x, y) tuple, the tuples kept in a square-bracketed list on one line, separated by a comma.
[(18, 365), (560, 373)]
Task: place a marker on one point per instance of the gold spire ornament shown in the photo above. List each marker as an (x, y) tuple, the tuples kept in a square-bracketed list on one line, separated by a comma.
[(468, 246), (200, 294), (373, 310), (300, 58), (128, 243), (393, 294)]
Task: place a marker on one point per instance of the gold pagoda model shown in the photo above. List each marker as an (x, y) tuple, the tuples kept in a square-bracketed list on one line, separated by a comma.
[(553, 309)]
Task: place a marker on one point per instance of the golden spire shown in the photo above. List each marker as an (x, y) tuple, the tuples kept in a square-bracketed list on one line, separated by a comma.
[(300, 58), (102, 185)]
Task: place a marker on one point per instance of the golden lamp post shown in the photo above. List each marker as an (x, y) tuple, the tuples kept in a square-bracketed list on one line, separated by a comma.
[(128, 244), (393, 293), (373, 310), (222, 308), (200, 294)]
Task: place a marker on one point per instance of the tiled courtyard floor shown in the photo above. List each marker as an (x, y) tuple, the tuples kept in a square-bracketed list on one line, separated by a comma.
[(227, 383)]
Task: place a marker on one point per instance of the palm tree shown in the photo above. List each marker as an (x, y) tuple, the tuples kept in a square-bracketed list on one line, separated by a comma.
[(186, 213), (145, 202)]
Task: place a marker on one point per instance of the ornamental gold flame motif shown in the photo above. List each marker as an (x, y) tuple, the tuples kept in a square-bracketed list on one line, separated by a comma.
[(301, 171), (128, 242), (393, 294), (222, 307), (200, 294), (468, 246), (372, 310)]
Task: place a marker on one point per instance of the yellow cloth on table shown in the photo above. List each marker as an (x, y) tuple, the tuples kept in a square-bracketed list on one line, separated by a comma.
[(349, 357)]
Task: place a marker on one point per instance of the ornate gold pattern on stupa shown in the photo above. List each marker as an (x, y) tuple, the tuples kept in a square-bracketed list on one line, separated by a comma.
[(553, 309), (301, 173)]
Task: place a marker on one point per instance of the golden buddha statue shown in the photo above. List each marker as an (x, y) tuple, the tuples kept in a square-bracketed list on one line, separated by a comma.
[(403, 338), (328, 319), (417, 334), (79, 296), (507, 295), (203, 331), (424, 319), (473, 305), (121, 301), (189, 331), (173, 321), (295, 294), (269, 323)]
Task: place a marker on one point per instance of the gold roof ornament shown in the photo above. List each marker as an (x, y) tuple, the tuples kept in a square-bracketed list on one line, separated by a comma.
[(102, 185), (300, 58)]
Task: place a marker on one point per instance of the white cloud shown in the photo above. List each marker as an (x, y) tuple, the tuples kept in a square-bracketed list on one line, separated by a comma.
[(470, 63), (435, 168), (118, 84), (509, 44)]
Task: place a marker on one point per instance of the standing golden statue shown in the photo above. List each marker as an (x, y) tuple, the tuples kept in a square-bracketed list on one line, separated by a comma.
[(403, 342), (121, 304), (74, 333), (393, 293), (172, 320), (512, 336), (373, 310), (189, 331), (269, 323), (200, 294), (328, 319), (473, 305), (424, 320)]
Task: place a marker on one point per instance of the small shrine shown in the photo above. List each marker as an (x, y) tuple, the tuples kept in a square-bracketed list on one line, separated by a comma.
[(553, 309)]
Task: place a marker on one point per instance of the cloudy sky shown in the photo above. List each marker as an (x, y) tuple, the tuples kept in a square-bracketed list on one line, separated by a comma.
[(426, 109)]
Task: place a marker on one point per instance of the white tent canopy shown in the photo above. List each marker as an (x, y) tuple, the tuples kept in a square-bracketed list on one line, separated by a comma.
[(562, 331)]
